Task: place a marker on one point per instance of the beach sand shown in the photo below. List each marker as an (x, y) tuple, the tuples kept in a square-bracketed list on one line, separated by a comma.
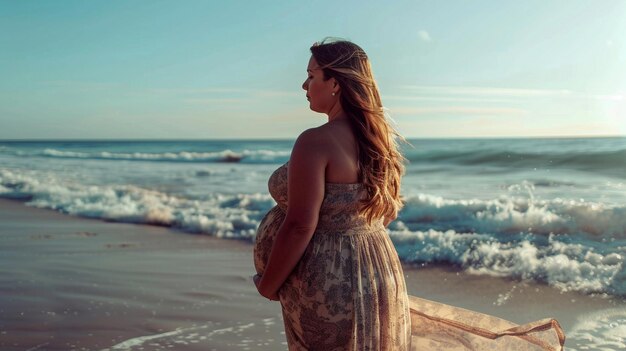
[(70, 283)]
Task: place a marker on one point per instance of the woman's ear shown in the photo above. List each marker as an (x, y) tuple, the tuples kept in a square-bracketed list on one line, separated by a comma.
[(335, 84)]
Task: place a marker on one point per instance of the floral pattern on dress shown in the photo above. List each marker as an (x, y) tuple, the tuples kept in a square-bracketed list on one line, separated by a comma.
[(347, 292)]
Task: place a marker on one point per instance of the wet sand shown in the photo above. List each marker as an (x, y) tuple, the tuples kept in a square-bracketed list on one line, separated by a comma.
[(70, 283)]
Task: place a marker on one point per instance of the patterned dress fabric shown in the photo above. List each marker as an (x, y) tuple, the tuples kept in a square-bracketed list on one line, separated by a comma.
[(348, 291)]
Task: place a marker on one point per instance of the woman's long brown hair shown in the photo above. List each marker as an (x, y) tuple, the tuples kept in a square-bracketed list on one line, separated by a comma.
[(380, 161)]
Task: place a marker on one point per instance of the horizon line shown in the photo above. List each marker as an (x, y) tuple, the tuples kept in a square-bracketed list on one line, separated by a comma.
[(291, 139)]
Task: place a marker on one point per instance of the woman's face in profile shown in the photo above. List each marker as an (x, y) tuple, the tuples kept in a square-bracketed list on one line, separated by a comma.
[(318, 91)]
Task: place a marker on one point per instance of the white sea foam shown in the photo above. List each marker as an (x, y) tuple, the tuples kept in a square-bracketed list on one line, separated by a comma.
[(570, 267), (601, 330), (251, 156), (179, 336), (517, 214), (233, 216)]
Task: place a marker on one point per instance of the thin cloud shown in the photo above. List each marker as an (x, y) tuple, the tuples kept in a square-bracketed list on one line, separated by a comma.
[(81, 85), (240, 92), (278, 93), (615, 97), (207, 90), (228, 96), (458, 110), (213, 101), (485, 91), (424, 36), (488, 92), (443, 98)]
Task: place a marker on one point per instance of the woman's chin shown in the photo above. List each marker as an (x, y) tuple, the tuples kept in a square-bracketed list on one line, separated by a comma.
[(314, 109)]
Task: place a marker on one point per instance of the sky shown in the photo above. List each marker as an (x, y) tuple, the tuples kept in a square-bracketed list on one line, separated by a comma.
[(234, 69)]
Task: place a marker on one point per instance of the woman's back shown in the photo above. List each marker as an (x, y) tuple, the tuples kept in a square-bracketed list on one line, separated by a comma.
[(340, 150)]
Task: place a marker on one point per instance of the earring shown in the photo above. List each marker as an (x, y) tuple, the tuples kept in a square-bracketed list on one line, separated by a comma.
[(333, 94)]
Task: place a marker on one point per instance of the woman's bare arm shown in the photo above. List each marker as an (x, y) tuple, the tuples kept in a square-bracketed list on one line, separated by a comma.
[(306, 179)]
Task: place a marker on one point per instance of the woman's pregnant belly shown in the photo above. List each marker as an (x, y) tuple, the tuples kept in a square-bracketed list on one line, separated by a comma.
[(265, 235)]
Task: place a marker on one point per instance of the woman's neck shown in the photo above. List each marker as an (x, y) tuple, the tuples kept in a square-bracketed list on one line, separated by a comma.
[(336, 113)]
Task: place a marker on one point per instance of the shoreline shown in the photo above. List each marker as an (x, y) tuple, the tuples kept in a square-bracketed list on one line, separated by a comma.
[(76, 283)]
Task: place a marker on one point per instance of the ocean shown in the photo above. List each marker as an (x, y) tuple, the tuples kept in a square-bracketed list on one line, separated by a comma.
[(548, 210)]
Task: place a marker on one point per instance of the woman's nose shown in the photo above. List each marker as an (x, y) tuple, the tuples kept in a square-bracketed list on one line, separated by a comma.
[(304, 85)]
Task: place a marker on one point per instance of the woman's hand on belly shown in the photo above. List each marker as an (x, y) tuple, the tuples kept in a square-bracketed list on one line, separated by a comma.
[(257, 281)]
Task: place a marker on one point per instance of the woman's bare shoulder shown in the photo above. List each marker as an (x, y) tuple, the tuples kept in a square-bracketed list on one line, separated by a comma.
[(333, 142), (314, 140)]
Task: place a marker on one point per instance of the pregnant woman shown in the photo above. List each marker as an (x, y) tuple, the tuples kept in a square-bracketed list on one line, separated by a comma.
[(323, 250)]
